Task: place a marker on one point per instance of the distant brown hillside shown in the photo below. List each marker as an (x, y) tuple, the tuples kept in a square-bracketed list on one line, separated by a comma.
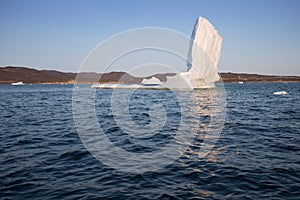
[(10, 75), (28, 75), (236, 77)]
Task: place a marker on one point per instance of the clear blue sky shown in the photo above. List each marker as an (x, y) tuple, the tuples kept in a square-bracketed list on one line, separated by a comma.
[(259, 36)]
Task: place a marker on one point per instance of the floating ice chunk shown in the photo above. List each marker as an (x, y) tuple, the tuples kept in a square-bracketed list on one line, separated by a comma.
[(280, 93), (151, 81), (18, 83)]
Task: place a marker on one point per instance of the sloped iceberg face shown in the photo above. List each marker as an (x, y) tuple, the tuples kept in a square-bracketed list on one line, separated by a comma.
[(203, 56), (207, 38)]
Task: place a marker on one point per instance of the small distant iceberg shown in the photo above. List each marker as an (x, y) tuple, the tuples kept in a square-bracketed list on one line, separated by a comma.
[(280, 93), (151, 81), (18, 83), (241, 82)]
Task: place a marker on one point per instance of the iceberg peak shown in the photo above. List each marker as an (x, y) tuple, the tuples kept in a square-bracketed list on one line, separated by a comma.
[(203, 57)]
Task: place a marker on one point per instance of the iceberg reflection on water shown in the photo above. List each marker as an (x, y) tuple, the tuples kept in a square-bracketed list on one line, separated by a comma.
[(146, 130)]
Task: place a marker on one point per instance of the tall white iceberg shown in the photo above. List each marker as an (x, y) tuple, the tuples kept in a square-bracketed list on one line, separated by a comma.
[(203, 57)]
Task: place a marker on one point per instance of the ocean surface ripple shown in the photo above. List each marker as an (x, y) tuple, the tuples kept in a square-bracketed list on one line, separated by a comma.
[(256, 157)]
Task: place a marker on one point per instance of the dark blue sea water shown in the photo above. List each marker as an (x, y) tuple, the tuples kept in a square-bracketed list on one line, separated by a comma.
[(257, 155)]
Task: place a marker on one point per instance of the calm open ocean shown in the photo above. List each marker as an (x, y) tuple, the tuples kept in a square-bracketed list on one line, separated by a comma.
[(257, 155)]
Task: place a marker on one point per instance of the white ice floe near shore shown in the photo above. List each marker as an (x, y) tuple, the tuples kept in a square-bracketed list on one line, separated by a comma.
[(18, 83), (128, 86)]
